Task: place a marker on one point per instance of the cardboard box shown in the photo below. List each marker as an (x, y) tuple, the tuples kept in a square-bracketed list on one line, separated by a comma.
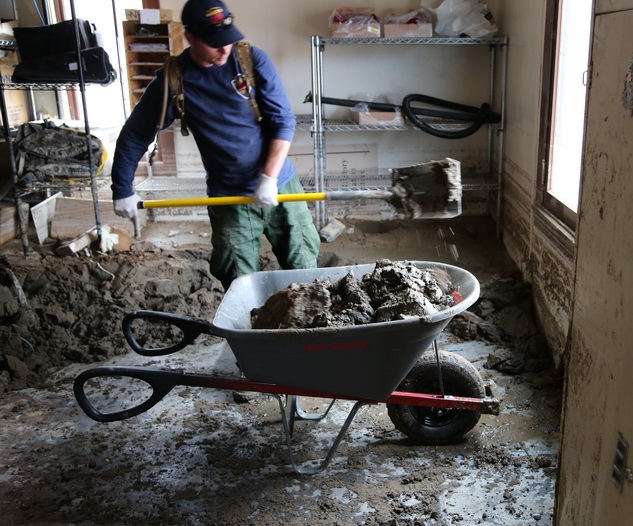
[(134, 15), (378, 118), (354, 22), (15, 99), (407, 30), (407, 24), (355, 30)]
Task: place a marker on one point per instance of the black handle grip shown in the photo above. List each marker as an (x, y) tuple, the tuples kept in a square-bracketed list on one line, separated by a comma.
[(162, 382), (191, 328)]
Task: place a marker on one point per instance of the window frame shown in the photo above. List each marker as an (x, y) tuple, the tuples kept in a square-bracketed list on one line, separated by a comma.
[(550, 55)]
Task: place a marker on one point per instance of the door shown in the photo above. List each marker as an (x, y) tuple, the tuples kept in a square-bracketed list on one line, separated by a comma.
[(600, 369)]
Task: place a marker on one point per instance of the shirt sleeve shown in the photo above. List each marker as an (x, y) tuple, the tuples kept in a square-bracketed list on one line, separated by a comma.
[(272, 99), (138, 132)]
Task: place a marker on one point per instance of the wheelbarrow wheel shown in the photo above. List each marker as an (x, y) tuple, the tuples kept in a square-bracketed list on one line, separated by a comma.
[(431, 425)]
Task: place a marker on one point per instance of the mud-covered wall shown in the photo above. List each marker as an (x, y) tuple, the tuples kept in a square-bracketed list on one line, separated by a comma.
[(542, 247)]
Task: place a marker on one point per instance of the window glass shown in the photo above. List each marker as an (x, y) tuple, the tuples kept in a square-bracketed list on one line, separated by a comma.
[(570, 100)]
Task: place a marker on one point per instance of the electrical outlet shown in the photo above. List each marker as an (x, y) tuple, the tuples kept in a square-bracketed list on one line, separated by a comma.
[(620, 472)]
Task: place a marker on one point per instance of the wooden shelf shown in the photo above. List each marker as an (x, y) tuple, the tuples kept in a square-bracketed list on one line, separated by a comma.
[(143, 63)]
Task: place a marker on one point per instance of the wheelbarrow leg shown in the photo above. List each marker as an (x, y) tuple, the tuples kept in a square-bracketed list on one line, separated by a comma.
[(294, 412), (311, 470), (301, 415), (439, 367)]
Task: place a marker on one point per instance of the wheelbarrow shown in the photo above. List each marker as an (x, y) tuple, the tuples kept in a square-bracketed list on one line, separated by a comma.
[(433, 397)]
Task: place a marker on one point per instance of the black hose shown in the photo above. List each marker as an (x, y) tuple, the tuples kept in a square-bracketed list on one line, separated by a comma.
[(380, 106), (476, 118), (463, 113)]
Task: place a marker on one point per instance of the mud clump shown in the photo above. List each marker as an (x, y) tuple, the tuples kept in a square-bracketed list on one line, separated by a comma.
[(392, 291), (55, 311)]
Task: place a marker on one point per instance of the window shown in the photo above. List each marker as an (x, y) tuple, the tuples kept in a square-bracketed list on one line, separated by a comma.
[(566, 64)]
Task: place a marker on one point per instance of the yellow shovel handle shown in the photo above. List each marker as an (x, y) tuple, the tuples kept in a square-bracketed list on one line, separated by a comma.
[(230, 200)]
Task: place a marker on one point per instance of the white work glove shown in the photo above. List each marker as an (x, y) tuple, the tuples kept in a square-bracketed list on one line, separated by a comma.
[(266, 191), (126, 207), (108, 239)]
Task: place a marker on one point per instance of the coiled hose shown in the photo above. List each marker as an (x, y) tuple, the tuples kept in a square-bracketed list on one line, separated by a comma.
[(459, 113), (478, 116)]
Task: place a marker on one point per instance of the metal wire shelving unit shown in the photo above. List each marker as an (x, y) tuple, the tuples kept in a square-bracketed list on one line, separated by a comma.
[(318, 125)]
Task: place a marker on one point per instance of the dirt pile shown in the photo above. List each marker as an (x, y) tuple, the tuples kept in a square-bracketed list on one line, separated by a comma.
[(392, 291), (504, 315), (55, 311)]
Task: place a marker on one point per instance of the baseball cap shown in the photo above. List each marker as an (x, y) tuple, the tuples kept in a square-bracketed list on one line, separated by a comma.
[(210, 21)]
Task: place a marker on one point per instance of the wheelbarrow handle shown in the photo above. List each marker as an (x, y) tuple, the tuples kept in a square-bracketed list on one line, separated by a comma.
[(190, 327), (161, 381)]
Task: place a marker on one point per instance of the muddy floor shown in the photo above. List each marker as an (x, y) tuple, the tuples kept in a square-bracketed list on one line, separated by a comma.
[(199, 457)]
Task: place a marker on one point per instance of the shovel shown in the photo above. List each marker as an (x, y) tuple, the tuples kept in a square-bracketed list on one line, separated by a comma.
[(424, 191)]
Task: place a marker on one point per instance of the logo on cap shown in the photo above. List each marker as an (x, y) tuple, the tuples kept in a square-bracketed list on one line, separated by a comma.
[(217, 17)]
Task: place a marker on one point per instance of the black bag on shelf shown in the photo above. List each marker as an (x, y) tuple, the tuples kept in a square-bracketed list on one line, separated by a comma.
[(63, 68), (39, 41)]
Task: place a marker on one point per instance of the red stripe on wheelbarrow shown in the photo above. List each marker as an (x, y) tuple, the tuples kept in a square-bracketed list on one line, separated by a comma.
[(397, 397)]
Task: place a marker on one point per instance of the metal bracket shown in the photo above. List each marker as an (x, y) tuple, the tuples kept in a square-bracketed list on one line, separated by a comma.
[(620, 472), (306, 468)]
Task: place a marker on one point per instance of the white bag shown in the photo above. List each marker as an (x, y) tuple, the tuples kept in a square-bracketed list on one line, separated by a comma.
[(462, 18)]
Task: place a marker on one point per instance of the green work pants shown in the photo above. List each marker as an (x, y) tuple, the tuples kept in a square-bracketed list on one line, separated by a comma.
[(236, 232)]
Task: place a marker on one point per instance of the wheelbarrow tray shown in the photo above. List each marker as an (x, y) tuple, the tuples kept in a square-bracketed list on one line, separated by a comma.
[(362, 361)]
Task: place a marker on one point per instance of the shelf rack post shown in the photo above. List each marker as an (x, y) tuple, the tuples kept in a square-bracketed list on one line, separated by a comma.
[(82, 87), (317, 130), (14, 170), (503, 48)]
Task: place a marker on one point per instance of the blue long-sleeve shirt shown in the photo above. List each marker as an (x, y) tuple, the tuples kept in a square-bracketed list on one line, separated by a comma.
[(232, 144)]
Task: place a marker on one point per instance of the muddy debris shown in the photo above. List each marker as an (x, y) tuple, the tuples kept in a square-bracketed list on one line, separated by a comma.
[(504, 315), (392, 291), (60, 310), (199, 458)]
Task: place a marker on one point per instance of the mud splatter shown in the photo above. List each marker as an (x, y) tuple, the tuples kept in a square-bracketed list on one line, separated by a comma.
[(627, 91)]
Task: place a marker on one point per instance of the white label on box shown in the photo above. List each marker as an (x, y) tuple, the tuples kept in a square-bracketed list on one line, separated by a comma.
[(150, 16)]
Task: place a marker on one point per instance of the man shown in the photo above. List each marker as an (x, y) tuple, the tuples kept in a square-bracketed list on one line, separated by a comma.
[(241, 156)]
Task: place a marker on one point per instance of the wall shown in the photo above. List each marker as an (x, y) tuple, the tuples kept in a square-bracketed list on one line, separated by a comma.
[(541, 246), (284, 27)]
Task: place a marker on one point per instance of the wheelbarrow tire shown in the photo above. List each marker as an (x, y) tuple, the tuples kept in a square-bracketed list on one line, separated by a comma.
[(435, 426)]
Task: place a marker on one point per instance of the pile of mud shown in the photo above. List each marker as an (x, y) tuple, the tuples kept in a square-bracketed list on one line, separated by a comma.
[(392, 291), (60, 310)]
